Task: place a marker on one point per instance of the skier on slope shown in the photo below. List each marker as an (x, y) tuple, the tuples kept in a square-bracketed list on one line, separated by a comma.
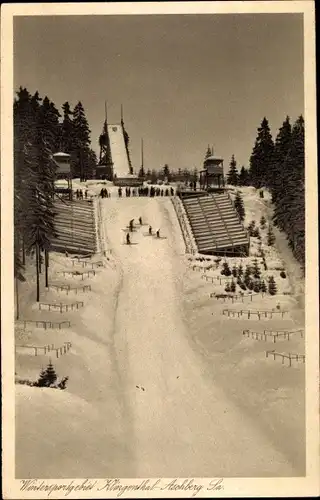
[(131, 225), (128, 239)]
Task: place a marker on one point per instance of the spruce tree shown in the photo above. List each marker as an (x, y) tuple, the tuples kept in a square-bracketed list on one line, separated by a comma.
[(257, 286), (261, 160), (247, 275), (281, 150), (270, 237), (232, 177), (263, 222), (208, 153), (233, 286), (234, 271), (225, 269), (141, 173), (66, 130), (50, 374), (240, 270), (42, 380), (263, 287), (256, 269), (290, 207), (244, 177), (239, 206), (272, 287), (166, 172), (81, 143)]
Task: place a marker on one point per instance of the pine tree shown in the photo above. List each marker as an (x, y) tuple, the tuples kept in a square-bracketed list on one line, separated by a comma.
[(239, 206), (251, 227), (240, 270), (261, 160), (234, 271), (263, 287), (50, 373), (225, 269), (270, 237), (166, 172), (272, 287), (263, 222), (232, 177), (256, 269), (66, 130), (247, 275), (208, 153), (141, 173), (244, 177), (290, 206), (154, 176), (281, 150), (256, 233), (42, 380), (257, 286), (81, 144)]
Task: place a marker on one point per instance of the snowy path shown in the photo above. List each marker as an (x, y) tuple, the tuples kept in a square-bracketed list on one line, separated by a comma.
[(182, 424)]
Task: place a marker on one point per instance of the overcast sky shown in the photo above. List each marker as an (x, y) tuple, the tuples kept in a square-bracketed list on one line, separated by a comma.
[(184, 80)]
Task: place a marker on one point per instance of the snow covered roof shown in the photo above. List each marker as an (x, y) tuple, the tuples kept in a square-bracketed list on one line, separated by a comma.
[(65, 155), (213, 158)]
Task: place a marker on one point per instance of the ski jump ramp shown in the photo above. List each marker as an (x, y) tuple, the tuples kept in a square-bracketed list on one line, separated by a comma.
[(121, 167)]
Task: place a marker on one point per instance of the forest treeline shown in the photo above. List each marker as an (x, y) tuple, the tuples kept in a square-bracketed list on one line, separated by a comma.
[(40, 130), (279, 165)]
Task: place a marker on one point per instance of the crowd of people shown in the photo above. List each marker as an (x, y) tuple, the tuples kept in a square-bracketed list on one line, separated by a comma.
[(79, 194), (146, 191), (104, 193)]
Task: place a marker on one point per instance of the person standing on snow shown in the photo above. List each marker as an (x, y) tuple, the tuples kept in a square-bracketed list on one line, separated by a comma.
[(150, 230), (140, 221), (131, 225), (128, 239), (158, 233)]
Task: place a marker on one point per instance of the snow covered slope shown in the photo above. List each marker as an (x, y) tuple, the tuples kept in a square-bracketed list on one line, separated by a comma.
[(118, 151)]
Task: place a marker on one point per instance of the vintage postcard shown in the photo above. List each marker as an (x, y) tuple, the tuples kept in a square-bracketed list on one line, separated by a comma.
[(160, 333)]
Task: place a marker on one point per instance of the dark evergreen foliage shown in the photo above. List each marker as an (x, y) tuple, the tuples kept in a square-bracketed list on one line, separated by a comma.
[(225, 269), (239, 206), (244, 177), (232, 177), (270, 237), (272, 287), (261, 160)]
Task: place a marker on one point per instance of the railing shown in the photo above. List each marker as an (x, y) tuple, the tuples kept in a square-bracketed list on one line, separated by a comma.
[(38, 350), (235, 297), (289, 356), (233, 313), (68, 288), (275, 335), (190, 243), (85, 274), (45, 324), (60, 307)]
